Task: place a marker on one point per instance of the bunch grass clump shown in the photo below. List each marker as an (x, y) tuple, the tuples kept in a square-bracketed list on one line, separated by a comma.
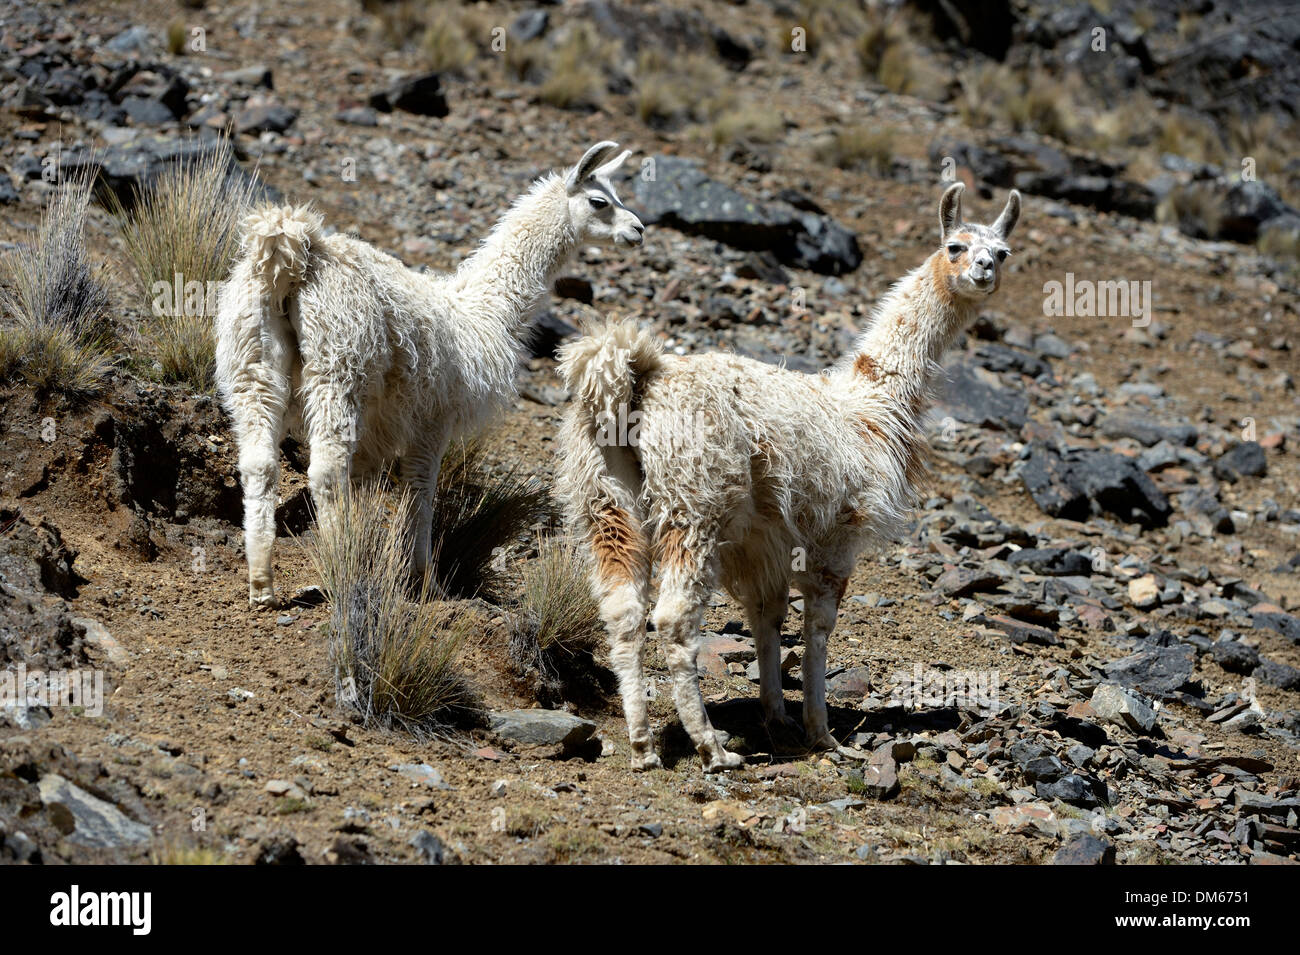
[(557, 625), (182, 229), (479, 513), (57, 327), (396, 661)]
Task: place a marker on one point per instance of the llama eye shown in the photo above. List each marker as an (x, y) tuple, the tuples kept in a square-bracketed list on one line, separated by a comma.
[(598, 202), (1002, 254), (956, 249)]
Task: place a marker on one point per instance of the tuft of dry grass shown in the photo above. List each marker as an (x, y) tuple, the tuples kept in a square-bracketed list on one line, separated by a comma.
[(574, 79), (446, 44), (996, 93), (478, 514), (395, 661), (56, 300), (749, 122), (558, 623), (672, 89), (183, 228), (859, 147), (1196, 209)]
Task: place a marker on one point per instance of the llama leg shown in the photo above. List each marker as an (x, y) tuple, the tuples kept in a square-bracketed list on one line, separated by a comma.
[(333, 436), (258, 399), (821, 605), (622, 607), (259, 473), (765, 619), (685, 587), (420, 474)]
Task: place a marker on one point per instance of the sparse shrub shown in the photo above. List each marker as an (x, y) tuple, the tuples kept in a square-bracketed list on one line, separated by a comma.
[(855, 147), (1196, 209), (669, 90), (177, 853), (185, 224), (995, 92), (574, 77), (176, 37), (1282, 245), (750, 122), (558, 623), (478, 514), (446, 44), (1189, 136), (56, 301), (395, 661)]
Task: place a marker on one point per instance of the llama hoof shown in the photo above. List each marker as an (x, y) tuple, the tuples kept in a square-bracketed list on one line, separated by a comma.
[(262, 598), (647, 761), (722, 759), (786, 736), (820, 740)]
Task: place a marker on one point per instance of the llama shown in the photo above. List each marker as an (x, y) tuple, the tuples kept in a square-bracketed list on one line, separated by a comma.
[(754, 476), (327, 336)]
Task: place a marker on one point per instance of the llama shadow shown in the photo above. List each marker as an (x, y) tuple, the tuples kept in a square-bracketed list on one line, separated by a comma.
[(742, 720)]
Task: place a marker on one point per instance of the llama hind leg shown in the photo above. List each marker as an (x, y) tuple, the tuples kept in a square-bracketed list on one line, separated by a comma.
[(332, 432), (258, 410), (420, 473), (822, 596), (620, 581), (765, 617), (685, 586)]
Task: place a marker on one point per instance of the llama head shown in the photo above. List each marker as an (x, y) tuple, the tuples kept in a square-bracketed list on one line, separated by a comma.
[(595, 210), (972, 254)]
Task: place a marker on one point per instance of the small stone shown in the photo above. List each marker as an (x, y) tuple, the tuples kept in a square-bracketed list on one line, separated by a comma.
[(1085, 849), (1144, 592), (1114, 704)]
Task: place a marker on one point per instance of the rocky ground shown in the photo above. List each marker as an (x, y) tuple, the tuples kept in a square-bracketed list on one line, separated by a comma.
[(1086, 649)]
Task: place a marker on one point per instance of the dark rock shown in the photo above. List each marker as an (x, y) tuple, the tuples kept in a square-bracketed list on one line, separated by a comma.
[(1074, 789), (547, 332), (1146, 429), (542, 727), (1084, 480), (96, 824), (430, 847), (852, 684), (1158, 671), (1057, 562), (8, 194), (1235, 656), (419, 93), (279, 850), (1283, 623), (1044, 769), (264, 117), (1085, 849), (1244, 460), (682, 197), (1280, 675), (961, 582), (574, 287), (975, 396)]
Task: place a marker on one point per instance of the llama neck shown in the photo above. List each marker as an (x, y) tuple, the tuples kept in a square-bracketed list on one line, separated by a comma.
[(912, 327), (510, 275)]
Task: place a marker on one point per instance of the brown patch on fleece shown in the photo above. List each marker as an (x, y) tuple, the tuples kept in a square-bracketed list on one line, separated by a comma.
[(618, 546)]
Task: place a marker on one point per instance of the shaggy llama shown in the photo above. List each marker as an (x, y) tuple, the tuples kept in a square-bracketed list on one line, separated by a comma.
[(372, 361), (753, 476)]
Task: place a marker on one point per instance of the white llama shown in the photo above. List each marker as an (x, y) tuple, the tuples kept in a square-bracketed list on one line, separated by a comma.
[(374, 361), (752, 476)]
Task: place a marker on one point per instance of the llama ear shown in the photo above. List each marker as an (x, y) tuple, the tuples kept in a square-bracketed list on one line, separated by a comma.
[(589, 162), (1010, 215), (611, 167), (950, 210)]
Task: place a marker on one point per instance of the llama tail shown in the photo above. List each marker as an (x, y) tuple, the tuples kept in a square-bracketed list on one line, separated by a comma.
[(599, 476), (277, 241)]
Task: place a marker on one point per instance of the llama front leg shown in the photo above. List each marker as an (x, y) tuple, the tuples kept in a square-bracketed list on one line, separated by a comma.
[(682, 593), (822, 598)]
